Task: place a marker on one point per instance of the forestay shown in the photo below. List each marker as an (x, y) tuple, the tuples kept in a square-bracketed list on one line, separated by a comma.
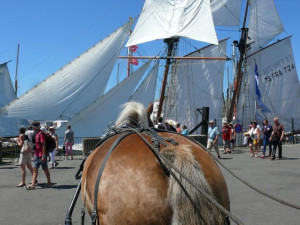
[(279, 83), (72, 88), (264, 23), (93, 121), (7, 93), (196, 84), (162, 19)]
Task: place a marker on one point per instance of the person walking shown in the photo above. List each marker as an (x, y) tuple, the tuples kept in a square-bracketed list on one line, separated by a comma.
[(53, 162), (276, 138), (254, 139), (25, 157), (226, 132), (232, 137), (69, 141), (267, 131), (40, 156), (212, 137)]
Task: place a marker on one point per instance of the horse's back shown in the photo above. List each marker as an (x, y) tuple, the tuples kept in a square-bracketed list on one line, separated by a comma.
[(133, 187)]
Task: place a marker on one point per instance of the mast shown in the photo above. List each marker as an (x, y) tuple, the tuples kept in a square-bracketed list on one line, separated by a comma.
[(129, 53), (16, 75), (242, 46), (170, 42)]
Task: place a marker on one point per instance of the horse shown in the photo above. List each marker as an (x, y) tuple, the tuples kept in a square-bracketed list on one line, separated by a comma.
[(134, 188)]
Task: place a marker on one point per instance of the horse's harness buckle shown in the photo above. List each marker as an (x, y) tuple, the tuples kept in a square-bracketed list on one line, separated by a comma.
[(94, 217)]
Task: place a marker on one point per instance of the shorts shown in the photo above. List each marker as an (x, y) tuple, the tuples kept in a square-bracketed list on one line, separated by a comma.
[(226, 143), (38, 161), (25, 158)]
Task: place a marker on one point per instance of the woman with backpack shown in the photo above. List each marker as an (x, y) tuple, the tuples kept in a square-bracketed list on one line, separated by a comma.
[(25, 155)]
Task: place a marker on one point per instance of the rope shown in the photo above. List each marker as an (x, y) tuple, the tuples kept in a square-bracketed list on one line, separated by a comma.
[(255, 188), (248, 184)]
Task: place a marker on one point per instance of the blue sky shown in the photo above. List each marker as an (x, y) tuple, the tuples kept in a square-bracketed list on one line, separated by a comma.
[(52, 33)]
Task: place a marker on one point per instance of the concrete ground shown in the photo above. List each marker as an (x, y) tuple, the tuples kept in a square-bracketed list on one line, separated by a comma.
[(49, 205)]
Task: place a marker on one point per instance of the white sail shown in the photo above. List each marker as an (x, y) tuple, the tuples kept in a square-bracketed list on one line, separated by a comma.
[(226, 12), (73, 87), (162, 19), (195, 84), (146, 91), (93, 121), (264, 23), (7, 93), (279, 83)]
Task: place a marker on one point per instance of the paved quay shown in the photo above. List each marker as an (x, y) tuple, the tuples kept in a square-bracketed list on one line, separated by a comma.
[(280, 178)]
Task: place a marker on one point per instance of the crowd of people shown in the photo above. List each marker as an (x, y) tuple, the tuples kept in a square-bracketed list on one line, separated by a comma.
[(33, 144), (171, 125), (271, 136)]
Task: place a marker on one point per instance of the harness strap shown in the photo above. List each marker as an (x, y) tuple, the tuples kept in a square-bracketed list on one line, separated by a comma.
[(94, 212), (209, 197)]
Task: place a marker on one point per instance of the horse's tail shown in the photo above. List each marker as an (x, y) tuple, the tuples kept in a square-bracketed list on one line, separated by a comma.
[(184, 212)]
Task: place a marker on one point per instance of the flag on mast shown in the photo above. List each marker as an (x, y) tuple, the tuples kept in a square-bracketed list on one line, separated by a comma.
[(259, 103)]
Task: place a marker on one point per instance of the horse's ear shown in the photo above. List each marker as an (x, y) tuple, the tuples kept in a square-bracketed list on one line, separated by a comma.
[(149, 111)]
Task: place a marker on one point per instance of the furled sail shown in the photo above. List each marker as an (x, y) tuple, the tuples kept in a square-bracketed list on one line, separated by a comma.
[(226, 12), (279, 83), (7, 93), (162, 19), (264, 23), (195, 84), (92, 121)]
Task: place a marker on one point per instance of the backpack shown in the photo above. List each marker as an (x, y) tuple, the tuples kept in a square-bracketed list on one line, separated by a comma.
[(50, 143)]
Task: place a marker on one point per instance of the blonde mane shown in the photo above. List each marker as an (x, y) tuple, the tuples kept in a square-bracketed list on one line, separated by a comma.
[(134, 110)]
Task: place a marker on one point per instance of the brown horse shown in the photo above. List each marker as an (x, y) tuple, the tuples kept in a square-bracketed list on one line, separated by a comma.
[(134, 189)]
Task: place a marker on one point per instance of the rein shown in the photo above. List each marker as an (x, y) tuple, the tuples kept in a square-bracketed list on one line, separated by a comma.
[(127, 130)]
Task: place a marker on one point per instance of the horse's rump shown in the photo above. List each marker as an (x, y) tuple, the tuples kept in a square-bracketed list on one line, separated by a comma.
[(134, 188)]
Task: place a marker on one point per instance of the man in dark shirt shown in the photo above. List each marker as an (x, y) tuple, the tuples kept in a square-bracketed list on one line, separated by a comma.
[(267, 131), (276, 138)]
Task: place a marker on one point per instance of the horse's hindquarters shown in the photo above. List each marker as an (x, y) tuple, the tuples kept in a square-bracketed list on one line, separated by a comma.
[(133, 187)]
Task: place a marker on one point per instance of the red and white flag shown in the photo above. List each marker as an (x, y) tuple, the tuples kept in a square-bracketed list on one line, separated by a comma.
[(133, 48), (134, 61)]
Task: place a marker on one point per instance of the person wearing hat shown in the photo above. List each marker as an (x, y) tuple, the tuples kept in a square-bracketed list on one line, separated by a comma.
[(226, 132), (212, 137), (25, 157), (40, 158), (53, 162)]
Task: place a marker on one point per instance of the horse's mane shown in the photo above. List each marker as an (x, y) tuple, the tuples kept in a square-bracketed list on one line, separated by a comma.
[(134, 110)]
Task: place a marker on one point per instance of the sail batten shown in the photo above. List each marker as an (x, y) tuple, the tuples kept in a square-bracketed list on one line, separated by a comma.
[(162, 19)]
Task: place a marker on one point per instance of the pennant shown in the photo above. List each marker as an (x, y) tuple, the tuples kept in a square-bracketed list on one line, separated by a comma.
[(133, 48), (134, 61)]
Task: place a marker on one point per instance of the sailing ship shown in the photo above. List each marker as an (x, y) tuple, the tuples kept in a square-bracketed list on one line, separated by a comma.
[(77, 91)]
